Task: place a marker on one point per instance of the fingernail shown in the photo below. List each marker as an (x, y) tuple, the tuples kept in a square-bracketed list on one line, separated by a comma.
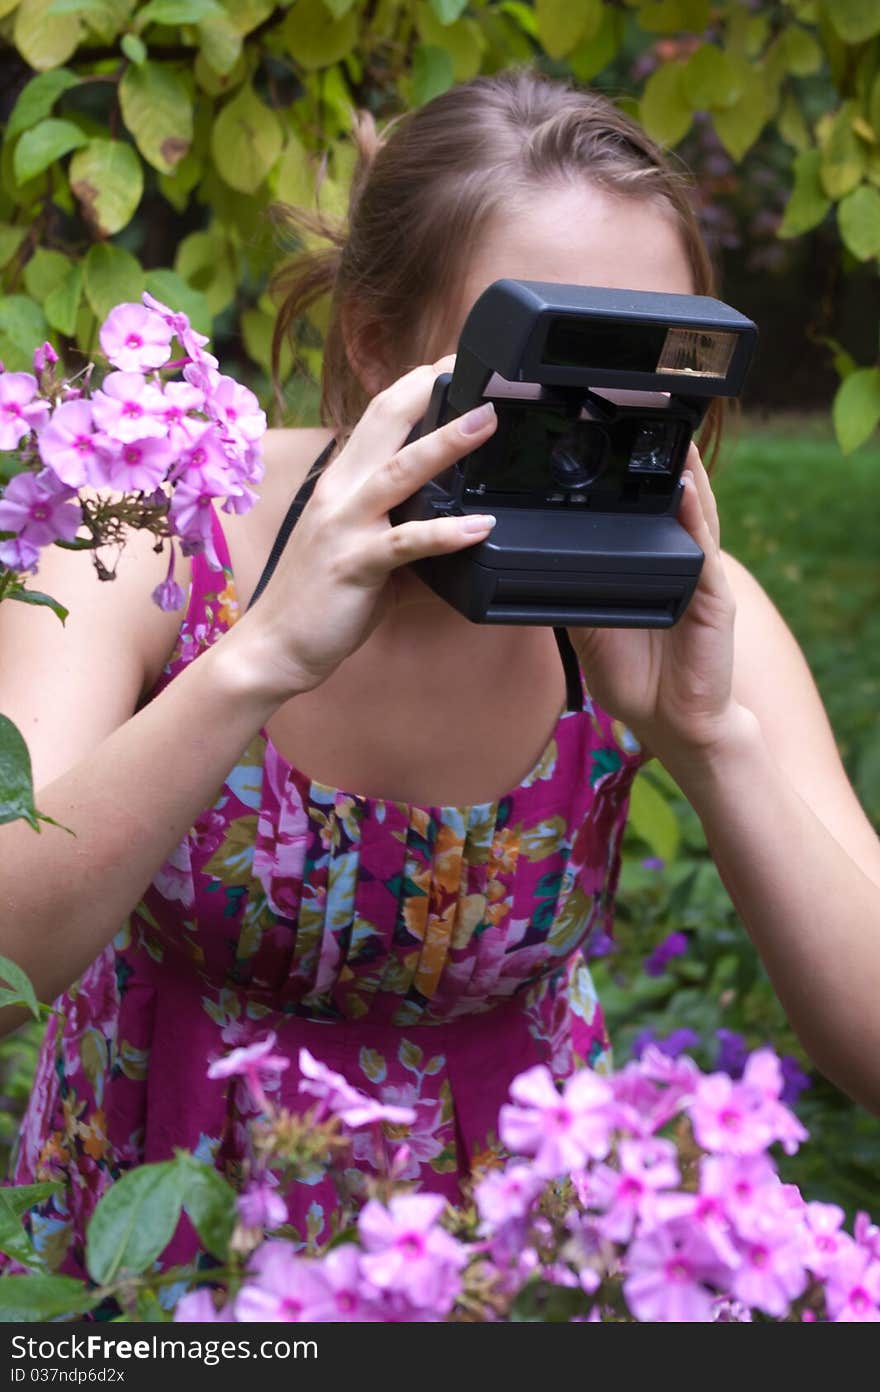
[(477, 522), (475, 420)]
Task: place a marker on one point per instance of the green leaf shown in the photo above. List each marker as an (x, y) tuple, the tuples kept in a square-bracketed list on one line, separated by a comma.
[(45, 270), (801, 52), (448, 11), (338, 8), (738, 126), (858, 217), (43, 42), (664, 109), (38, 1298), (172, 289), (593, 55), (207, 262), (808, 203), (112, 276), (22, 992), (672, 16), (45, 143), (314, 39), (11, 239), (37, 597), (14, 1203), (246, 140), (134, 1221), (855, 20), (22, 327), (463, 41), (711, 78), (38, 98), (158, 110), (432, 73), (651, 816), (856, 409), (108, 180), (61, 305), (791, 124), (843, 155), (221, 45), (134, 49), (562, 25), (209, 1204), (177, 12)]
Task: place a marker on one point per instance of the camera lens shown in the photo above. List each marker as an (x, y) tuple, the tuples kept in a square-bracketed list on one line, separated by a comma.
[(578, 460), (652, 448)]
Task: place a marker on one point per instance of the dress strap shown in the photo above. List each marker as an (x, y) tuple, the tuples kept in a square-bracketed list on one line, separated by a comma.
[(291, 517), (574, 687)]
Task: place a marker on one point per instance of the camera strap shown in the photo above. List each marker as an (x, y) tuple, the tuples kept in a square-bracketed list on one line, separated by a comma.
[(574, 691)]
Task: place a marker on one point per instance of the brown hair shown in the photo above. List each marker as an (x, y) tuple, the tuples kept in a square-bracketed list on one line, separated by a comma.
[(421, 195)]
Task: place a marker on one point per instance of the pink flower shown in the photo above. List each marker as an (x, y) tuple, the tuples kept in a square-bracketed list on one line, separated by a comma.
[(731, 1117), (645, 1167), (44, 356), (346, 1297), (771, 1273), (135, 338), (71, 446), (191, 341), (129, 407), (852, 1287), (20, 412), (353, 1107), (19, 556), (236, 408), (179, 399), (824, 1238), (39, 508), (671, 1272), (138, 466), (559, 1130), (507, 1195), (197, 1307), (408, 1254), (261, 1206), (249, 1062), (282, 1286)]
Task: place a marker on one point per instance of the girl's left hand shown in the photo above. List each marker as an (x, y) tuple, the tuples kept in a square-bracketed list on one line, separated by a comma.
[(673, 687)]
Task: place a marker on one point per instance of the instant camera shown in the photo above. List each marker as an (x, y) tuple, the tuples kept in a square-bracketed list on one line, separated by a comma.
[(597, 393)]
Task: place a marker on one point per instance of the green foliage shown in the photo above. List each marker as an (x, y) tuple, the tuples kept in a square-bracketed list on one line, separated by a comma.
[(146, 138)]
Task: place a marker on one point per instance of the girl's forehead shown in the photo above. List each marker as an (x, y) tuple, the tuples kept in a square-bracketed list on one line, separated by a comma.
[(577, 236)]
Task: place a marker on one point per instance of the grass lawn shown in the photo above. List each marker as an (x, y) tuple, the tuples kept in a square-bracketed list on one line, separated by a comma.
[(806, 521)]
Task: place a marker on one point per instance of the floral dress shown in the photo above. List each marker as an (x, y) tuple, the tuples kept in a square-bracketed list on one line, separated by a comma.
[(429, 954)]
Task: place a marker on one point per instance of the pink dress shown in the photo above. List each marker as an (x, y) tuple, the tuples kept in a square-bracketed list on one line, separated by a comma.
[(427, 953)]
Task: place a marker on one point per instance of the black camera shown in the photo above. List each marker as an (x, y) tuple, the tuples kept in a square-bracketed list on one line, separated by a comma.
[(598, 393)]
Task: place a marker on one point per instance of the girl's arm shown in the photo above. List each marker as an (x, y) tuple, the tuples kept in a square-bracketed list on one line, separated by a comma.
[(726, 702)]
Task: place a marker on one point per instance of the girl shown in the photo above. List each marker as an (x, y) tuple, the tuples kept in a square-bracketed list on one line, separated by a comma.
[(350, 816)]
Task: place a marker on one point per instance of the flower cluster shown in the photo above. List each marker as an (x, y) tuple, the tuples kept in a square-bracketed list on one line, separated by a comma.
[(167, 437), (647, 1195)]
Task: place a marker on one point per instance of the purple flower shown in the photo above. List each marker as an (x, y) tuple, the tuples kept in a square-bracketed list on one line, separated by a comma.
[(197, 1307), (21, 411), (19, 555), (40, 509), (732, 1054), (675, 945), (852, 1287), (139, 466), (672, 1045), (135, 338), (653, 863), (796, 1080)]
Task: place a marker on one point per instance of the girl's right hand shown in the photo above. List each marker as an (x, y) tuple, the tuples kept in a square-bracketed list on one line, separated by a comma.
[(335, 579)]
